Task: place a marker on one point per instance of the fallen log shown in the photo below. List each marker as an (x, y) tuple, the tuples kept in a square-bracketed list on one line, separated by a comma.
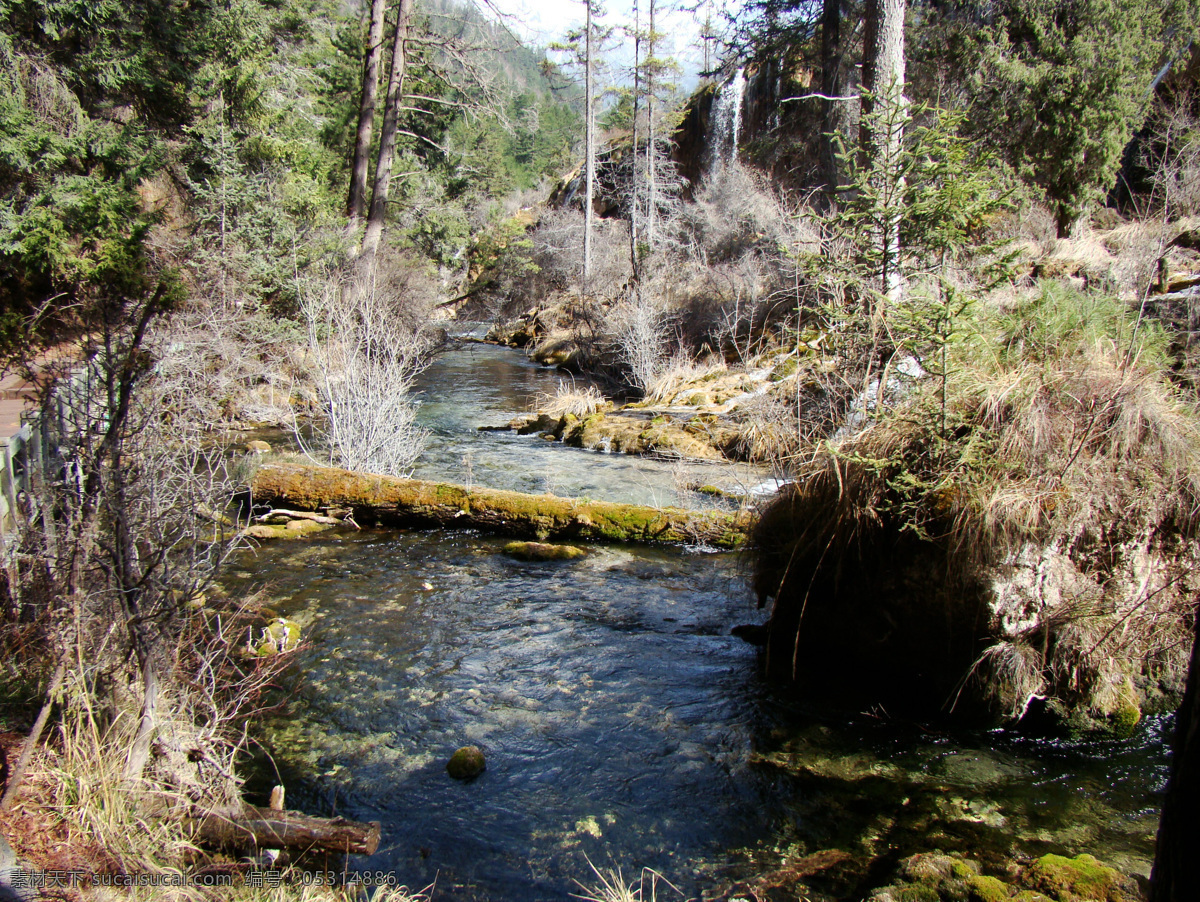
[(264, 828), (391, 501)]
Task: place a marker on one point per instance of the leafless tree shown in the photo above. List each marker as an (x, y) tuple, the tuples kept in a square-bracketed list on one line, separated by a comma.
[(364, 355)]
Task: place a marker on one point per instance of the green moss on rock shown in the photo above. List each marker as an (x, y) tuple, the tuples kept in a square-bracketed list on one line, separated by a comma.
[(915, 892), (988, 889), (467, 763), (1080, 878), (542, 551), (786, 367)]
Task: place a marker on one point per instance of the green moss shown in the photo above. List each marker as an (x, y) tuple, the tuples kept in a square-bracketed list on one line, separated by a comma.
[(1125, 719), (988, 889), (783, 369), (467, 763), (1070, 879), (963, 871), (452, 496), (279, 636), (540, 551)]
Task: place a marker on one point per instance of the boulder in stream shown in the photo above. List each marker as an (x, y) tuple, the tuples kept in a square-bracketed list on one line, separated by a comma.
[(467, 763)]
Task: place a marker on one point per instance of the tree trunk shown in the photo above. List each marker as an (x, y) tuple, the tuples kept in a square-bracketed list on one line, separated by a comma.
[(651, 136), (634, 188), (356, 204), (387, 140), (831, 86), (884, 109), (589, 141), (1176, 876), (392, 501), (139, 750)]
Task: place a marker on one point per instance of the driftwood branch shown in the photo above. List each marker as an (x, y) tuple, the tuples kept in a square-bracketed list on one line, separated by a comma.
[(276, 515), (391, 501), (263, 828)]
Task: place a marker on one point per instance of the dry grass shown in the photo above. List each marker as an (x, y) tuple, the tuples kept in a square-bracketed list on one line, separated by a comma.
[(571, 400), (610, 886), (677, 373)]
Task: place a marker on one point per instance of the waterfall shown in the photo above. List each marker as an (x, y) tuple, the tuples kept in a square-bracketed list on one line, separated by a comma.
[(727, 121)]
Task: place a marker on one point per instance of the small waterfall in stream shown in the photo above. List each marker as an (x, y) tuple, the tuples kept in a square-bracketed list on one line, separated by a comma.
[(727, 121)]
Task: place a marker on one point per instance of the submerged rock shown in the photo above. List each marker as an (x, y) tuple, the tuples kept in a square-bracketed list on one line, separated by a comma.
[(467, 763), (280, 635), (543, 551)]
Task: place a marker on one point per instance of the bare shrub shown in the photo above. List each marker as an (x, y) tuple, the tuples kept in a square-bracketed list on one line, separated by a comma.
[(640, 331), (737, 212), (365, 349), (1173, 158), (558, 253)]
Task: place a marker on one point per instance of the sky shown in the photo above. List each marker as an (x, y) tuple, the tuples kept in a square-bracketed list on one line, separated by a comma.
[(539, 22)]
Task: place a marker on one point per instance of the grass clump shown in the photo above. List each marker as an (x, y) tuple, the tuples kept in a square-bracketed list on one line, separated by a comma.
[(571, 400)]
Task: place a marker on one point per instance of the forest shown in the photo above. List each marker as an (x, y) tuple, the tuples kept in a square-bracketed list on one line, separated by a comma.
[(870, 322)]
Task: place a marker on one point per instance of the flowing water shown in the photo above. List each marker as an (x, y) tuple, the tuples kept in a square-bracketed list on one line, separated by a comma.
[(622, 723)]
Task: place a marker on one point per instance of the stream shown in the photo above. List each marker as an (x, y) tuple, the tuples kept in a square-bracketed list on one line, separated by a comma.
[(623, 725)]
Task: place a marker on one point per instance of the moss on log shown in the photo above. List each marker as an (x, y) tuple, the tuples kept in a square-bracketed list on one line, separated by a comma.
[(391, 501)]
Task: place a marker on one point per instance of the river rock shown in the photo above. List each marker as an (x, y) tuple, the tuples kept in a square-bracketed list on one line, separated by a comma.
[(1082, 877), (279, 636), (258, 447), (467, 763), (543, 551)]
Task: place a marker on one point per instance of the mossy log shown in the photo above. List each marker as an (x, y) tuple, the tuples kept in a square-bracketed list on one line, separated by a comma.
[(264, 828), (391, 501)]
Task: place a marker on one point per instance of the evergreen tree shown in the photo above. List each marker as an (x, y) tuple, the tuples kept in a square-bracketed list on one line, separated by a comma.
[(1063, 85)]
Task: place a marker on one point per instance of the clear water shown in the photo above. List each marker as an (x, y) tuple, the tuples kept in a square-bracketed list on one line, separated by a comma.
[(485, 385), (622, 723)]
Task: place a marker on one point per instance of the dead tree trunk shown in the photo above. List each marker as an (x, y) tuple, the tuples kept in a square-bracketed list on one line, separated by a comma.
[(264, 828), (356, 204), (392, 501), (589, 140), (387, 140)]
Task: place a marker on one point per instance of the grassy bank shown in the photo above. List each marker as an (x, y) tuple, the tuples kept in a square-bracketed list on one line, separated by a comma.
[(1014, 528)]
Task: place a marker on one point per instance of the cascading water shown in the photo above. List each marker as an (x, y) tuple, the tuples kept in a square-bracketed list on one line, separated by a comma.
[(727, 121)]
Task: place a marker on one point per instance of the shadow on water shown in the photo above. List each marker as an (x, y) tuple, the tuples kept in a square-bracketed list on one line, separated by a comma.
[(621, 721)]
